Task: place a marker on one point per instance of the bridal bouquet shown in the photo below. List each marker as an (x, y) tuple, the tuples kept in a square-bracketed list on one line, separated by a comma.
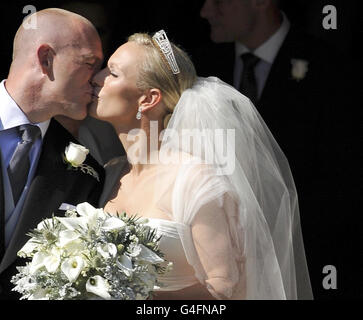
[(89, 254)]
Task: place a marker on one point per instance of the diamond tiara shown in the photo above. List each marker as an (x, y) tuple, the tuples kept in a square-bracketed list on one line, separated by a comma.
[(163, 43)]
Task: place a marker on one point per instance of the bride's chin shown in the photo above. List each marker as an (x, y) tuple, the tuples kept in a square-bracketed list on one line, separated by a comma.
[(92, 110)]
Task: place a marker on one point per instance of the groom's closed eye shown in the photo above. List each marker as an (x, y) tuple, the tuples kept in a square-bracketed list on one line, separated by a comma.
[(91, 62)]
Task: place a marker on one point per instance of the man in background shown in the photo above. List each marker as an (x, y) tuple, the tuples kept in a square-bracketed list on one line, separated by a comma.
[(304, 92)]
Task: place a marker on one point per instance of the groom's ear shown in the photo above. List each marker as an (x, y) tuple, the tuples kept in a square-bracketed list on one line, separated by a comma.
[(150, 99), (45, 58)]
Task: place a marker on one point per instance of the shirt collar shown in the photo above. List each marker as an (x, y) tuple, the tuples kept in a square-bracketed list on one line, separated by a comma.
[(268, 50), (12, 116)]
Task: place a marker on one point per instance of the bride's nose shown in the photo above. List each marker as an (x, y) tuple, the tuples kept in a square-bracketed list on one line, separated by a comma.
[(99, 78)]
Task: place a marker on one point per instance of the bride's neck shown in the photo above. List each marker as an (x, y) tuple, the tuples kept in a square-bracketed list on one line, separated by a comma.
[(142, 146)]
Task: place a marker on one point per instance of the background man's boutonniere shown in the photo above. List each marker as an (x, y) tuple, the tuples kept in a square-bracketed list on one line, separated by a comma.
[(299, 69), (75, 155)]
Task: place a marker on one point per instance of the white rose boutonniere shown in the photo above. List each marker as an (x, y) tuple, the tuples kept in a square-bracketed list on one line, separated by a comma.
[(299, 69), (75, 155)]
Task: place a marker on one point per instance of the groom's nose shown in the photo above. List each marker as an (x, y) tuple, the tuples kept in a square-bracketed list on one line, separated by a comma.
[(99, 78), (205, 11)]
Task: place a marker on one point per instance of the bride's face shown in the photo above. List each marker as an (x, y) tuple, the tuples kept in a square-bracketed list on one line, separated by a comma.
[(116, 96)]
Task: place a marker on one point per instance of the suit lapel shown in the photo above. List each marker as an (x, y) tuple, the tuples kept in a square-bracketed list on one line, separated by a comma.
[(279, 74), (2, 213), (113, 173)]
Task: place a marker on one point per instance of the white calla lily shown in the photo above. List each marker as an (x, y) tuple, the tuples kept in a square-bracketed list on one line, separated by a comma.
[(87, 220), (73, 224), (149, 256), (125, 264), (72, 267), (53, 260), (86, 210), (113, 223), (98, 286), (37, 262)]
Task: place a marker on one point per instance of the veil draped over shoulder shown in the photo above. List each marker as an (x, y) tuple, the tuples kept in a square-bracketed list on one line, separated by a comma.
[(233, 195)]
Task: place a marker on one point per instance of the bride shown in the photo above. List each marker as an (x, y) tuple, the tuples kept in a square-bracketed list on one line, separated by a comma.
[(204, 169)]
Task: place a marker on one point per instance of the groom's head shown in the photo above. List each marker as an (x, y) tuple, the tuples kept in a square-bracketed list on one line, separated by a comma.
[(53, 63)]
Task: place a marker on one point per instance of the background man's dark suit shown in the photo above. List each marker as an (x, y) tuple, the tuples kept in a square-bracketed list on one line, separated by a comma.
[(53, 184), (312, 121)]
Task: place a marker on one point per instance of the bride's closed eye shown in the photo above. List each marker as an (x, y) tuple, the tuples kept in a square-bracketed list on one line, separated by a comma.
[(112, 73)]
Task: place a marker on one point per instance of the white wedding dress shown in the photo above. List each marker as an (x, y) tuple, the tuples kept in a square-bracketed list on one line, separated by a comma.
[(182, 274), (237, 232)]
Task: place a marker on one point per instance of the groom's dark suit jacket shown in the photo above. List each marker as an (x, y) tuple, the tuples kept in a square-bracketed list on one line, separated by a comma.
[(52, 185), (312, 121)]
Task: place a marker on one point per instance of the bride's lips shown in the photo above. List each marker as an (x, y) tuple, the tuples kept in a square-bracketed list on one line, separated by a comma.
[(94, 95)]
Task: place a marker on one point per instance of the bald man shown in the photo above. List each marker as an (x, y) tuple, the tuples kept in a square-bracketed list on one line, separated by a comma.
[(49, 77)]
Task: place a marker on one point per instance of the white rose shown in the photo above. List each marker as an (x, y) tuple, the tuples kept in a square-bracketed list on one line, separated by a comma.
[(107, 250), (70, 242), (66, 237), (299, 69), (76, 154)]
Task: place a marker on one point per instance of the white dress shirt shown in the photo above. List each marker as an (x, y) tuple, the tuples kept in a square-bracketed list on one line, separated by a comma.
[(11, 116), (266, 52)]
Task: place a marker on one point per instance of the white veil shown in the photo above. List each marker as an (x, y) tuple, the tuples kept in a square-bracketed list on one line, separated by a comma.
[(257, 244)]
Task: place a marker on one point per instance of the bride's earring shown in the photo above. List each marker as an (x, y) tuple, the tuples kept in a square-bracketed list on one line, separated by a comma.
[(138, 115)]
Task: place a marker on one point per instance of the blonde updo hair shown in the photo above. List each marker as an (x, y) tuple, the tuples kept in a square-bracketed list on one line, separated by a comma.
[(156, 73)]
